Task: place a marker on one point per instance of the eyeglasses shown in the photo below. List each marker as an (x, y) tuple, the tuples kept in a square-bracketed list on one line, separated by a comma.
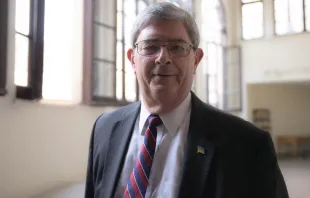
[(175, 48)]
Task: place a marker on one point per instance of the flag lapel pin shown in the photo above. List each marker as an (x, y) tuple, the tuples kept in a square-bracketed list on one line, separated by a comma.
[(201, 150)]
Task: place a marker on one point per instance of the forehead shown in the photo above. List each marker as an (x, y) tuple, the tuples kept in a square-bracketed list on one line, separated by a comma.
[(164, 30)]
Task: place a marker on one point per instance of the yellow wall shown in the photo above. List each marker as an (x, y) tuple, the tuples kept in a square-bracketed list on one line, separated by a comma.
[(289, 106)]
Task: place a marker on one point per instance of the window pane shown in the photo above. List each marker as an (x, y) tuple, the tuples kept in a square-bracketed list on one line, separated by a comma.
[(288, 16), (120, 57), (252, 32), (281, 10), (212, 59), (130, 7), (209, 5), (103, 80), (213, 99), (233, 99), (130, 87), (281, 28), (120, 5), (252, 20), (57, 61), (186, 5), (252, 14), (104, 12), (21, 60), (232, 92), (141, 5), (281, 16), (307, 2), (119, 27), (129, 20), (104, 43), (22, 14), (213, 82), (128, 67), (213, 24), (296, 15), (119, 84)]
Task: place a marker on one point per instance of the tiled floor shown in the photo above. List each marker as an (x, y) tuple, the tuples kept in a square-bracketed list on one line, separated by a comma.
[(297, 177)]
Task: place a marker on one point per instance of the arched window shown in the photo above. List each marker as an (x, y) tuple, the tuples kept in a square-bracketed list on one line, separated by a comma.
[(184, 4), (108, 76), (252, 19), (126, 84), (291, 16), (213, 40)]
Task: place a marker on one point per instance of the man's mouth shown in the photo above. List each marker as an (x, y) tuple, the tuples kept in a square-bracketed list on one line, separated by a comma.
[(162, 75)]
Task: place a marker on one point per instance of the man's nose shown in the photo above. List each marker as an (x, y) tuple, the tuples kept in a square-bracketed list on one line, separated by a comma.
[(163, 57)]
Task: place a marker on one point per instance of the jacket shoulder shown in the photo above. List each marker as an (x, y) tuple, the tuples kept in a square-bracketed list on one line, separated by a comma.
[(114, 116)]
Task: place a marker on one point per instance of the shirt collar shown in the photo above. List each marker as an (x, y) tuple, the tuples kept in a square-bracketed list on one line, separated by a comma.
[(171, 120)]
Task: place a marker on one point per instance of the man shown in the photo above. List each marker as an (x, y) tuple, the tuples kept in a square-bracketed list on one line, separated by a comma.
[(171, 144)]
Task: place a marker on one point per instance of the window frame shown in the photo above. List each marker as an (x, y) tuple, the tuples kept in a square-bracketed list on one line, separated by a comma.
[(88, 97), (263, 26), (4, 18), (239, 91), (289, 14), (33, 90), (88, 58), (217, 75)]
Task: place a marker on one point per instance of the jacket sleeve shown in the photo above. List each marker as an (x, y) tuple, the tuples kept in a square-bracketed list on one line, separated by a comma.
[(89, 186), (267, 180)]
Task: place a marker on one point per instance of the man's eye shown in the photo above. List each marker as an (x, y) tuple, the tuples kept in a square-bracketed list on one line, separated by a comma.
[(150, 47), (177, 48)]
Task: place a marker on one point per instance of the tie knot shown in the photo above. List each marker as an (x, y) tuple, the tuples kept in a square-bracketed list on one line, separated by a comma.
[(154, 120)]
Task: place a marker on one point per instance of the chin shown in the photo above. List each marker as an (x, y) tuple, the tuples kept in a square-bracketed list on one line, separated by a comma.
[(163, 89)]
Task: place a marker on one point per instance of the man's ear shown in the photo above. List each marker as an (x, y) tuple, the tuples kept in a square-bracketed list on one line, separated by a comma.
[(198, 56), (131, 58)]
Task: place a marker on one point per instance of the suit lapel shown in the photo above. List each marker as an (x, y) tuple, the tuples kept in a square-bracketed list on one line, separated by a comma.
[(118, 146), (196, 165)]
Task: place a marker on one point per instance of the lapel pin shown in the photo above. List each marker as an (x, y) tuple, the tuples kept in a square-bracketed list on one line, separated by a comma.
[(201, 150)]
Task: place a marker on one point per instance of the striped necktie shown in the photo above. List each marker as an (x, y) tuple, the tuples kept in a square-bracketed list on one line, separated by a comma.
[(139, 177)]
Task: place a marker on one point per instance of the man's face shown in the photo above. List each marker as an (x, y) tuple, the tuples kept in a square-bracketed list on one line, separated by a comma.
[(159, 62)]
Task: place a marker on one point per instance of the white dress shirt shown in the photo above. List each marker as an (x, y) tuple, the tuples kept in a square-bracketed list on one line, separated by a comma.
[(165, 175)]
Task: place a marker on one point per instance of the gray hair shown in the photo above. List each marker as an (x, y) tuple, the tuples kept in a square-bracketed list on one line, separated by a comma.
[(165, 11)]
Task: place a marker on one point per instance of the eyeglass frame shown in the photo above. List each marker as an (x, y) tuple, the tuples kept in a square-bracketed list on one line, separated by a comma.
[(155, 40)]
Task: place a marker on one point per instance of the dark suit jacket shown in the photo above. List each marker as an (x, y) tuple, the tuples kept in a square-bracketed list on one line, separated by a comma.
[(239, 160)]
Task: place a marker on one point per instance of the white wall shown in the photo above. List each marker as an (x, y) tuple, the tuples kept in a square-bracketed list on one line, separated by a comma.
[(275, 58), (272, 58), (289, 105), (279, 59), (42, 146)]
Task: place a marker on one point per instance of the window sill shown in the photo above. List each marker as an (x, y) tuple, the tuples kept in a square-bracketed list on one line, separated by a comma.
[(276, 36), (57, 104), (61, 103), (101, 101), (290, 34), (253, 39), (24, 94)]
